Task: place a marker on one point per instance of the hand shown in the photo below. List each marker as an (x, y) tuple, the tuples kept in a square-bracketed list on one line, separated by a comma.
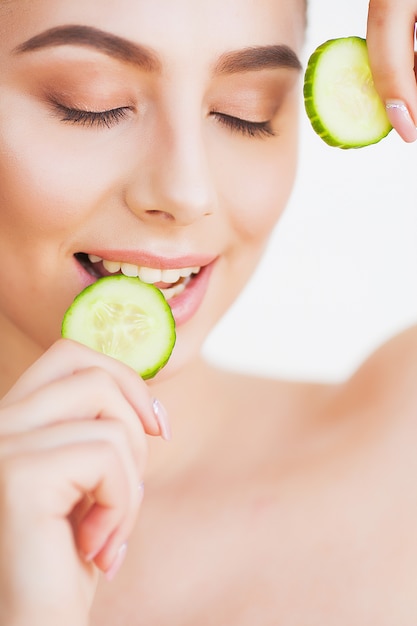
[(72, 458), (390, 37)]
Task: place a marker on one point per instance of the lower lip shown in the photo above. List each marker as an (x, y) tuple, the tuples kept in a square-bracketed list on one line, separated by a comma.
[(186, 304)]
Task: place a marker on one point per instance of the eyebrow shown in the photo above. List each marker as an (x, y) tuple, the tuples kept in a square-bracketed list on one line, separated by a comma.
[(258, 58), (245, 60), (90, 37)]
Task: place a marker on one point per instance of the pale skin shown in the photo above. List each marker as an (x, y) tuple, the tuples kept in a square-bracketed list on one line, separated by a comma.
[(274, 502)]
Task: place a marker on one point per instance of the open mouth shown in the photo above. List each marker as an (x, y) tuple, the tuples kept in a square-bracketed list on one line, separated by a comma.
[(171, 282)]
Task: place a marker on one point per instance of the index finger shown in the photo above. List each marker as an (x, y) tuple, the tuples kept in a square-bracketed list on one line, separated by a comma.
[(390, 39), (67, 357)]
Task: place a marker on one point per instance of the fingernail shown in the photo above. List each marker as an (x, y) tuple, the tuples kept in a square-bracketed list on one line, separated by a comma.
[(117, 563), (400, 118), (162, 419)]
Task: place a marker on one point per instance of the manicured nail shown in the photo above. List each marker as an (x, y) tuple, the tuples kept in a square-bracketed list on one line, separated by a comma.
[(400, 118), (162, 419), (117, 563)]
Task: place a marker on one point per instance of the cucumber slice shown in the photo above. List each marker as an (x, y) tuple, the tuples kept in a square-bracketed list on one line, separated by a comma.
[(340, 99), (126, 319)]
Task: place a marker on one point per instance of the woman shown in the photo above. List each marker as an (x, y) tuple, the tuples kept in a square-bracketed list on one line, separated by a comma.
[(154, 136)]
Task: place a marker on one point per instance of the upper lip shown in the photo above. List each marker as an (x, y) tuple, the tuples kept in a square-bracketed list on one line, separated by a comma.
[(145, 259)]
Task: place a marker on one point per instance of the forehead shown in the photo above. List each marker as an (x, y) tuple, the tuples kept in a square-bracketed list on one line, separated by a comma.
[(172, 27)]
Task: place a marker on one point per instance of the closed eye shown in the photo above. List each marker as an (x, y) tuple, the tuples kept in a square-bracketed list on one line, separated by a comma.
[(245, 127), (90, 119)]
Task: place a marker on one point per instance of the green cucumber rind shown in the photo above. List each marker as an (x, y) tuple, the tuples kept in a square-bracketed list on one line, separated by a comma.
[(313, 66), (74, 314)]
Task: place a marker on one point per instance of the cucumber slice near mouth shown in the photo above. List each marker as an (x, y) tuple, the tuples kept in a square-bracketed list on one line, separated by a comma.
[(126, 319), (340, 99)]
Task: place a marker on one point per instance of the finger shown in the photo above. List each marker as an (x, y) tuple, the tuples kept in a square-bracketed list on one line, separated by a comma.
[(59, 479), (90, 394), (113, 546), (132, 451), (65, 358), (390, 39), (124, 433)]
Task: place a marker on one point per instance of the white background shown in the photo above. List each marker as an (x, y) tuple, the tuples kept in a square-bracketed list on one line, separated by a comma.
[(339, 276)]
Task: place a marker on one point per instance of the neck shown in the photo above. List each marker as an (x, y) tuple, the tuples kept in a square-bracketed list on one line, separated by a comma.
[(196, 419)]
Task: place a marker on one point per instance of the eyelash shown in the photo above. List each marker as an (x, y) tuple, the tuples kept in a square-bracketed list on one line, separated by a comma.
[(245, 127), (107, 119), (91, 119)]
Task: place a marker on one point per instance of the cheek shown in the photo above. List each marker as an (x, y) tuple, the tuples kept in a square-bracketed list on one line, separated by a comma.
[(264, 194), (47, 184), (37, 192), (258, 183), (261, 191)]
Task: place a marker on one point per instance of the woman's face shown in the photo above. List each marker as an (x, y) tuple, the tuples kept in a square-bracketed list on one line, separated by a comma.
[(157, 135)]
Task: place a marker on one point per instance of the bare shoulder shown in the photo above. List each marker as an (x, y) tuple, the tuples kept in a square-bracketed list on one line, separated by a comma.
[(375, 407), (374, 417), (372, 412), (274, 397), (386, 383)]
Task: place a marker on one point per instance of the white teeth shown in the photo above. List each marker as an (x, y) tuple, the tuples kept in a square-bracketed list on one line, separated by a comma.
[(186, 272), (112, 266), (94, 258), (173, 291), (150, 275), (129, 270), (170, 276)]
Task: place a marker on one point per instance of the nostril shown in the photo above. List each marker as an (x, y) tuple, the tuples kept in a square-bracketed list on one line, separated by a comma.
[(162, 214)]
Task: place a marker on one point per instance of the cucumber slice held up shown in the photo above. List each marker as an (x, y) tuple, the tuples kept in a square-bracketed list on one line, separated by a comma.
[(125, 319), (340, 99)]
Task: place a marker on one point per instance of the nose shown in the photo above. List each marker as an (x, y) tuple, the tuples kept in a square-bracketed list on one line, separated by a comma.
[(174, 181)]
